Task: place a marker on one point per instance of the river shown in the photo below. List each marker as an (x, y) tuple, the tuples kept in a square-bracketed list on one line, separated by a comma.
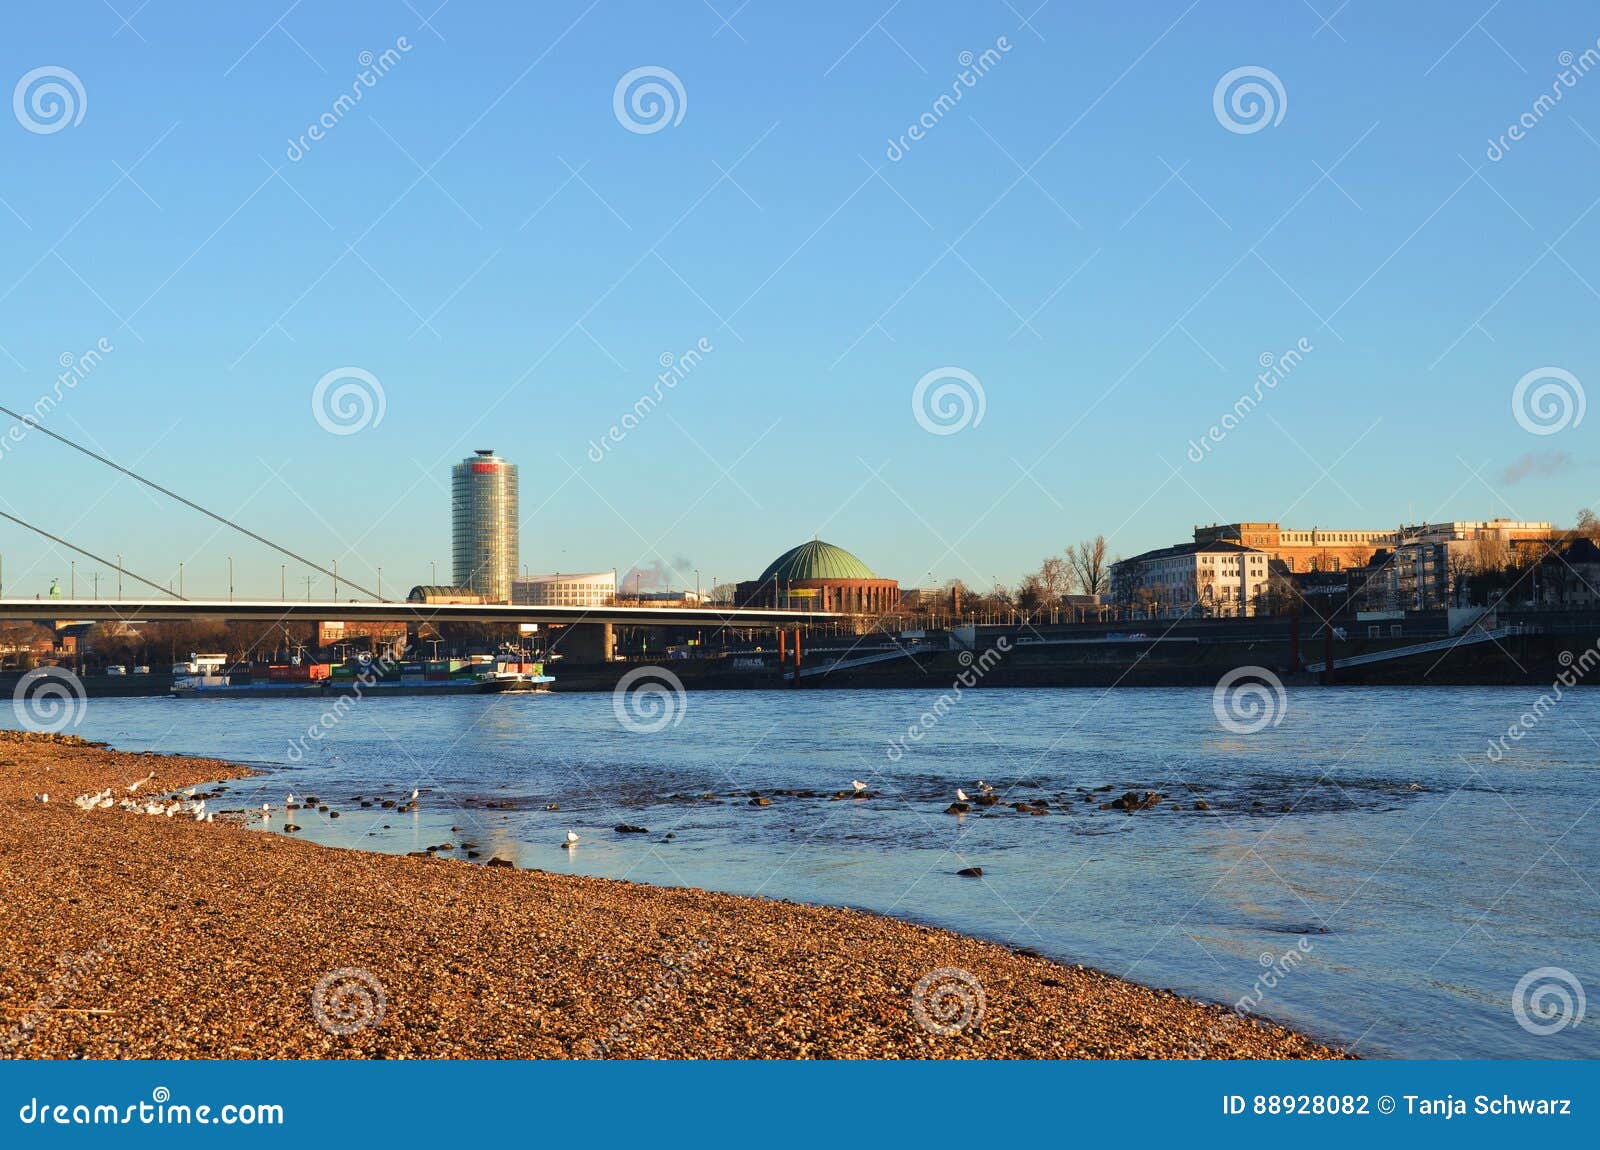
[(1365, 871)]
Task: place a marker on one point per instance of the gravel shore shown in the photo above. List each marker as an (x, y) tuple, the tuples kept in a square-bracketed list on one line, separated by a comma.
[(137, 936)]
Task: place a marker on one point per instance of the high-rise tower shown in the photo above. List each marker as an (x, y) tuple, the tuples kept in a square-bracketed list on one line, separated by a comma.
[(483, 524)]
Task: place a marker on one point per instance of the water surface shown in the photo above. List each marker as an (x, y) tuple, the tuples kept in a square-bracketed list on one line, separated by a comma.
[(1414, 881)]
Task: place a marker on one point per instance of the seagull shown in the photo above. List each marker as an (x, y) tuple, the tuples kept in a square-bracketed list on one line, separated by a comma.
[(985, 787), (858, 785), (41, 798), (137, 783), (414, 795), (961, 796), (288, 800), (105, 801), (572, 840)]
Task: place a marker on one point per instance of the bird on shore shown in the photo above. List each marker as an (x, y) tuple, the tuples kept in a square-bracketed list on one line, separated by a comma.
[(858, 785), (961, 796), (137, 783), (44, 798), (572, 840)]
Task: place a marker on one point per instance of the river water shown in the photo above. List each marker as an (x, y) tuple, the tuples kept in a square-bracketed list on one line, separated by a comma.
[(1393, 907)]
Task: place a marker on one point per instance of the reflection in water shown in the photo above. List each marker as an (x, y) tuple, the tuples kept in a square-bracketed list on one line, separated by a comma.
[(1423, 880)]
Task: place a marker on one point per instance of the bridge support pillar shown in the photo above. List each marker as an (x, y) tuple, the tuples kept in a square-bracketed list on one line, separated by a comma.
[(588, 643)]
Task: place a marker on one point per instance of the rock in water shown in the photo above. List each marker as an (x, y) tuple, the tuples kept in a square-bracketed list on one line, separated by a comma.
[(957, 809), (630, 829), (971, 872), (499, 861)]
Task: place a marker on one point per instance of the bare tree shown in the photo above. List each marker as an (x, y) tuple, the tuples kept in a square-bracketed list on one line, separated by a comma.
[(1088, 562)]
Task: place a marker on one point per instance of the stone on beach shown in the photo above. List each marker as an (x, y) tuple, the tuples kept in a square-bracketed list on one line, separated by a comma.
[(521, 965)]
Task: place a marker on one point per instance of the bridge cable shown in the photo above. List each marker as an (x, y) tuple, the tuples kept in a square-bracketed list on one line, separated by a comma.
[(36, 425), (90, 554)]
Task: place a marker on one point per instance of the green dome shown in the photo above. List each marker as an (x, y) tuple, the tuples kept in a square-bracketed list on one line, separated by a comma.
[(816, 560)]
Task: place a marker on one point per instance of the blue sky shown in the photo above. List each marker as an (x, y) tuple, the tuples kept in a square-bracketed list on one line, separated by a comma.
[(1081, 234)]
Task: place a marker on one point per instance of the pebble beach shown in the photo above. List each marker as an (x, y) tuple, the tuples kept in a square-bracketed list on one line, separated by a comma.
[(132, 936)]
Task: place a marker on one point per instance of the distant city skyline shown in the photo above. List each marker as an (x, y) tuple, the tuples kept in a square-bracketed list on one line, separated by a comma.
[(951, 293)]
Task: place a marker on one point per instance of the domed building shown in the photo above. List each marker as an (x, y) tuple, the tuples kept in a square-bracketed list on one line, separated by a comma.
[(818, 576)]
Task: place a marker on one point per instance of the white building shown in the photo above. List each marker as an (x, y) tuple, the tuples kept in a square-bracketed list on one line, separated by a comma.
[(1199, 579), (587, 589)]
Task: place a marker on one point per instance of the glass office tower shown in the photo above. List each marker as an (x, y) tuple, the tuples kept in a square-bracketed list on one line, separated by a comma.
[(484, 525)]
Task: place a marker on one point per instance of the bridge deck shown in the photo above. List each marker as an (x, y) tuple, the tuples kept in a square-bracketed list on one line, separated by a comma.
[(372, 611)]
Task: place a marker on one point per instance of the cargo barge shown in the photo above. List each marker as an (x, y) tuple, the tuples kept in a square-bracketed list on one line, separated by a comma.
[(208, 677)]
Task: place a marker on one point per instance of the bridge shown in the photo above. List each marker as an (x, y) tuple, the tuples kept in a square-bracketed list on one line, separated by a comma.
[(380, 611), (1465, 639)]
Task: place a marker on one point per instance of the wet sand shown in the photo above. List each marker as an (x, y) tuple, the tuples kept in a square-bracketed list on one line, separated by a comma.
[(135, 936)]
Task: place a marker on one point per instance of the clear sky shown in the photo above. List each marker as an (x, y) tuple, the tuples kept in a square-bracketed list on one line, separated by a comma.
[(1095, 234)]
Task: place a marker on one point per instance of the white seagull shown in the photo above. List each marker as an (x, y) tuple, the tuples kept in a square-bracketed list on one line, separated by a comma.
[(858, 785), (572, 839), (41, 798), (414, 794), (961, 796)]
